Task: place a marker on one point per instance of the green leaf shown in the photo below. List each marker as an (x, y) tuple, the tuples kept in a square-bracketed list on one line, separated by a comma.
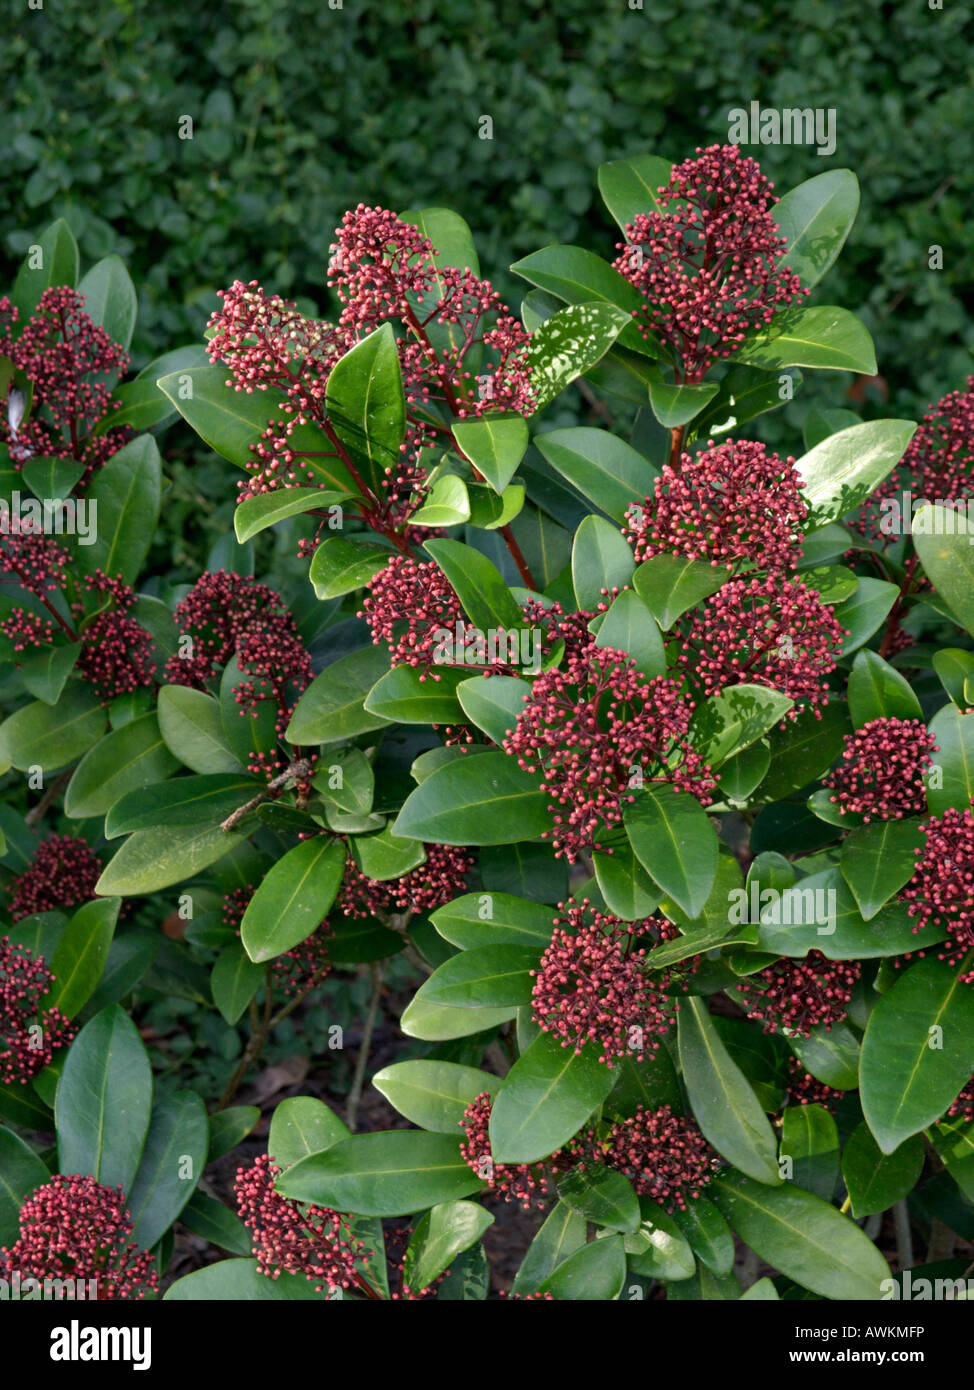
[(238, 1281), (954, 1142), (545, 1098), (493, 703), (53, 736), (228, 1127), (45, 675), (172, 1162), (488, 511), (447, 504), (440, 1022), (234, 982), (442, 1234), (128, 491), (57, 264), (580, 277), (675, 406), (745, 393), (659, 1249), (21, 1171), (877, 1181), (815, 218), (486, 800), (247, 733), (841, 472), (255, 514), (332, 710), (484, 977), (954, 733), (630, 627), (803, 1237), (601, 561), (81, 954), (570, 343), (595, 1273), (125, 760), (157, 858), (810, 1139), (453, 241), (385, 856), (293, 898), (191, 723), (494, 444), (407, 695), (877, 691), (207, 1217), (602, 1196), (141, 406), (804, 750), (943, 538), (734, 719), (865, 612), (709, 1236), (385, 1174), (366, 407), (823, 336), (797, 924), (726, 1108), (675, 842), (493, 919), (486, 599), (630, 186), (205, 800), (433, 1094), (954, 667), (830, 1055), (604, 469), (110, 299), (670, 584), (628, 890), (878, 859), (103, 1101), (910, 1072), (51, 477), (340, 566), (562, 1233), (301, 1126), (232, 422)]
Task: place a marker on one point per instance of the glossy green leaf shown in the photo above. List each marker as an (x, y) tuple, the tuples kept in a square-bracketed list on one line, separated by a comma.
[(840, 473), (125, 760), (484, 977), (81, 954), (433, 1094), (595, 1273), (878, 859), (726, 1108), (302, 1125), (603, 468), (824, 336), (815, 218), (103, 1101), (234, 981), (494, 444), (21, 1171), (486, 800), (810, 1140), (489, 919), (191, 723), (293, 898), (332, 708), (670, 584), (384, 1174), (172, 1162), (876, 1181), (877, 691), (545, 1098), (630, 186), (52, 736), (153, 859), (255, 514), (673, 839)]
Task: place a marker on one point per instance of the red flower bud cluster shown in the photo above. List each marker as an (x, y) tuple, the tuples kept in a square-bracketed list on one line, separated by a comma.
[(799, 995), (38, 563), (708, 262), (76, 1228), (732, 504), (525, 1183), (882, 769), (228, 615), (592, 987), (597, 730), (293, 1238), (304, 966), (938, 464), (66, 357), (116, 651), (663, 1155), (941, 891), (773, 632), (406, 603), (437, 881), (29, 1034), (963, 1107), (62, 873)]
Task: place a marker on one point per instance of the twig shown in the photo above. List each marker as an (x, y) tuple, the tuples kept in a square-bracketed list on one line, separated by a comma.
[(38, 812), (904, 1236), (362, 1060), (297, 772)]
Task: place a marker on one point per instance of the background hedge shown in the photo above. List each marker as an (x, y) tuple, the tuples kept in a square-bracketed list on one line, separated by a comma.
[(300, 111)]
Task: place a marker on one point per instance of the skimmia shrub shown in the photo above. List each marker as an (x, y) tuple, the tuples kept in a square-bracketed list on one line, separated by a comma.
[(626, 780)]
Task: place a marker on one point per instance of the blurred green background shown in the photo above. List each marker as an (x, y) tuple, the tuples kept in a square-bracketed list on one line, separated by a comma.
[(301, 110)]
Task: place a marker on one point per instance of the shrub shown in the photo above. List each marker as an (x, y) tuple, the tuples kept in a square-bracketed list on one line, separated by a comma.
[(645, 759)]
